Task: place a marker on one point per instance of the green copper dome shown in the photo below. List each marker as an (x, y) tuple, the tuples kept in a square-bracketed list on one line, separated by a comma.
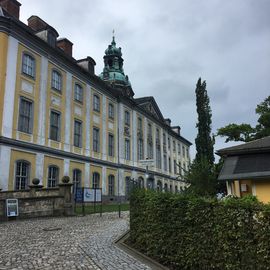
[(113, 72)]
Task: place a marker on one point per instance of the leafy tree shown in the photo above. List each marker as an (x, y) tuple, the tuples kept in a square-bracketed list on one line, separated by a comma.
[(204, 141), (234, 132), (245, 132), (201, 175), (201, 178)]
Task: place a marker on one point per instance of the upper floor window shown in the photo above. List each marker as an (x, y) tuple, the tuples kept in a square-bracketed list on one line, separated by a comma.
[(96, 103), (174, 167), (157, 133), (95, 139), (183, 151), (179, 149), (78, 93), (140, 124), (77, 133), (164, 138), (169, 143), (127, 118), (149, 131), (28, 65), (96, 180), (25, 121), (174, 146), (140, 149), (111, 111), (56, 80), (53, 176), (22, 174), (55, 126), (111, 145), (127, 149), (170, 166)]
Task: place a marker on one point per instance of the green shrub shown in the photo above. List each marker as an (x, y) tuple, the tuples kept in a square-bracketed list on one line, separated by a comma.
[(185, 232)]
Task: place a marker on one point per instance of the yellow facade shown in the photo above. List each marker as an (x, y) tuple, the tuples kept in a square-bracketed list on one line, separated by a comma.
[(17, 155), (3, 67), (263, 190), (34, 83)]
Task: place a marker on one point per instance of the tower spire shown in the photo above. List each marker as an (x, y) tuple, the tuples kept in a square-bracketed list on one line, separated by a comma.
[(113, 37)]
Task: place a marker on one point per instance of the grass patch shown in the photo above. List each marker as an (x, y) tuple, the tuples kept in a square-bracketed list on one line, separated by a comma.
[(90, 209)]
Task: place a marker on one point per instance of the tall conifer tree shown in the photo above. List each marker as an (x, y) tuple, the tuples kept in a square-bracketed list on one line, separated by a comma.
[(204, 141)]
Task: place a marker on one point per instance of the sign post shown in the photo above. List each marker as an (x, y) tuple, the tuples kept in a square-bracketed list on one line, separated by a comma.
[(147, 163)]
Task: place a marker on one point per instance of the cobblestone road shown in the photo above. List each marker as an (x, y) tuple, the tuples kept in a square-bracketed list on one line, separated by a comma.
[(65, 243)]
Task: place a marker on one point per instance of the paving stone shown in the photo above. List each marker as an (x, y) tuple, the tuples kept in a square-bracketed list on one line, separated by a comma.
[(66, 243)]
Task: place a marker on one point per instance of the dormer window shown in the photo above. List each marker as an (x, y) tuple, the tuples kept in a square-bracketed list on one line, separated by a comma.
[(56, 80), (51, 38), (28, 65)]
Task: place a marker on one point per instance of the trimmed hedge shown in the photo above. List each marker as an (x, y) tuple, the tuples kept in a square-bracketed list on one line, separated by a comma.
[(182, 232)]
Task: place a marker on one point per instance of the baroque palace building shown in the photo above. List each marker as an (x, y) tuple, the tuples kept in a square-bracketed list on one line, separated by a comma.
[(58, 118)]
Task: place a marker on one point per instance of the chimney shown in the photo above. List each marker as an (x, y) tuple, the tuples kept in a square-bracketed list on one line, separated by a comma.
[(36, 23), (12, 7), (168, 121), (87, 64), (65, 45)]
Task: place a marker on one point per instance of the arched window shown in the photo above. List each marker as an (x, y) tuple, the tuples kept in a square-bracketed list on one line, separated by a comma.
[(141, 182), (96, 180), (77, 179), (127, 182), (171, 188), (176, 189), (111, 183), (28, 65), (22, 174), (159, 185), (56, 80), (53, 176), (166, 187)]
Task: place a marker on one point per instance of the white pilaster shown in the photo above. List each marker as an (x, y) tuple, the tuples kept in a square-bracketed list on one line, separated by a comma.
[(39, 167), (134, 138), (104, 186), (69, 99), (42, 101), (87, 121), (9, 97), (87, 175), (104, 128), (66, 166), (5, 153)]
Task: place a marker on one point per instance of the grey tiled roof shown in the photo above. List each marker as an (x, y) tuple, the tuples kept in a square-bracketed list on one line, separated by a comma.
[(260, 145)]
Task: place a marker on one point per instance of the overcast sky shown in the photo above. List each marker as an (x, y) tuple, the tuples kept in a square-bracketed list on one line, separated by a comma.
[(168, 44)]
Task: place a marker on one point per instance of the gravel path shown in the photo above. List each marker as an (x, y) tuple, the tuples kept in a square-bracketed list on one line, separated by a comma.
[(66, 243)]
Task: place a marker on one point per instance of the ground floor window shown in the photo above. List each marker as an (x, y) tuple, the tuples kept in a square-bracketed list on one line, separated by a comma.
[(22, 175), (96, 180), (53, 176), (77, 180), (111, 183)]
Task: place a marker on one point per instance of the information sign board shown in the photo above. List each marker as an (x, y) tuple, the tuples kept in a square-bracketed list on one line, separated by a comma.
[(92, 195), (147, 162), (12, 207)]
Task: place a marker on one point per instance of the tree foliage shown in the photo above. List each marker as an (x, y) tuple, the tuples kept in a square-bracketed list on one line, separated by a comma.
[(245, 132), (204, 141)]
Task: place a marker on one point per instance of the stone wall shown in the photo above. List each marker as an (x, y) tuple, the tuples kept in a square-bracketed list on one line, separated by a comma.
[(39, 202)]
